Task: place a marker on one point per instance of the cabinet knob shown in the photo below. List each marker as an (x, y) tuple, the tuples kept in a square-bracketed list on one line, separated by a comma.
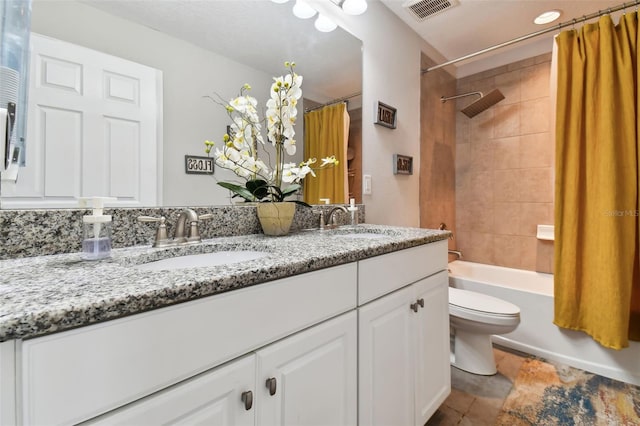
[(247, 398), (414, 307), (271, 385), (421, 302)]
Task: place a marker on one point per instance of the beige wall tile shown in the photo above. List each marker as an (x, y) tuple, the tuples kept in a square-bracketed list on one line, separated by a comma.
[(535, 81), (536, 150), (507, 250), (506, 153), (504, 173), (507, 185), (477, 247), (535, 185), (528, 253), (532, 215), (506, 120), (509, 84), (534, 116), (481, 155), (482, 188), (507, 217), (481, 126), (544, 259)]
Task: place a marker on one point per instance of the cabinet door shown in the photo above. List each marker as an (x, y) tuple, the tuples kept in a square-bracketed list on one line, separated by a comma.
[(432, 365), (214, 398), (313, 376), (386, 347)]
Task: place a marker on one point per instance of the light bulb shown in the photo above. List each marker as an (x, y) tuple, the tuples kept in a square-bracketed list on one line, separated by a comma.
[(354, 7), (302, 10), (324, 24)]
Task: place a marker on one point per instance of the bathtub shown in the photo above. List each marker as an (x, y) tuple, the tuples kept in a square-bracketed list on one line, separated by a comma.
[(536, 334)]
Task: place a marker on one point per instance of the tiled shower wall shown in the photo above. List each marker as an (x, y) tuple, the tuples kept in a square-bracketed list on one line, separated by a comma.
[(437, 150), (504, 168)]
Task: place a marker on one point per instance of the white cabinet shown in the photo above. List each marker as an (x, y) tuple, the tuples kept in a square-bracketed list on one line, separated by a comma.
[(305, 379), (361, 343), (432, 366), (404, 372), (310, 378), (215, 398), (79, 374)]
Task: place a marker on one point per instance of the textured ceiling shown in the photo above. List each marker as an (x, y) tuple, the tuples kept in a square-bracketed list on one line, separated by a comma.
[(258, 33), (263, 34), (474, 25)]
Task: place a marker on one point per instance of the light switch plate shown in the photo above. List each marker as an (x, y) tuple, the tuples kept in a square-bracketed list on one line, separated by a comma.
[(366, 184)]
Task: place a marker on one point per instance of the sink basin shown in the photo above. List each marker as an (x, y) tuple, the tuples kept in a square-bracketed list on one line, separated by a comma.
[(201, 260)]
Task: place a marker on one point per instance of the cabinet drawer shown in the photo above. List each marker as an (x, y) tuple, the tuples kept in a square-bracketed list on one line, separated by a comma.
[(213, 398), (380, 275), (72, 376)]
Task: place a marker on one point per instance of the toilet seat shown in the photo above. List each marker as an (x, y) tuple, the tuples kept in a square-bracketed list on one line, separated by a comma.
[(481, 307)]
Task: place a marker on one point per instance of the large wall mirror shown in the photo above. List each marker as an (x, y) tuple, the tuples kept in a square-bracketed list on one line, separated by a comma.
[(200, 49)]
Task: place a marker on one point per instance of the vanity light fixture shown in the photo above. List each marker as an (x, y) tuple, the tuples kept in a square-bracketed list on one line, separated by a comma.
[(325, 24), (354, 7), (302, 10), (547, 17)]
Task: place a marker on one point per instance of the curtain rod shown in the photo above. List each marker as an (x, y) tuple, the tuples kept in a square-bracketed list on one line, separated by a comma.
[(335, 101), (558, 27)]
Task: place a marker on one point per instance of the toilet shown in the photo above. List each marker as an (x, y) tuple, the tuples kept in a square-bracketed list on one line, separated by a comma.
[(474, 317)]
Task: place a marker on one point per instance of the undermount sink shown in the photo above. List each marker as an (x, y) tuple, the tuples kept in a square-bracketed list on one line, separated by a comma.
[(202, 260)]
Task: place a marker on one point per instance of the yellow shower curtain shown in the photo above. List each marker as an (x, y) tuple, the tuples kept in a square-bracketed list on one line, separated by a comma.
[(326, 133), (597, 278)]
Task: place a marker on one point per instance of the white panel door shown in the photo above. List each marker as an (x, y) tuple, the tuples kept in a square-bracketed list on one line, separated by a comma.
[(433, 370), (214, 398), (386, 349), (310, 378), (92, 129)]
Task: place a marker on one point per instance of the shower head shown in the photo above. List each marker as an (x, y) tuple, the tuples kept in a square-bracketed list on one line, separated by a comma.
[(483, 103)]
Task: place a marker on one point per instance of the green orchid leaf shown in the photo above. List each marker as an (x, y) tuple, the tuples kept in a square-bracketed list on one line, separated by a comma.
[(290, 190), (238, 190), (259, 188)]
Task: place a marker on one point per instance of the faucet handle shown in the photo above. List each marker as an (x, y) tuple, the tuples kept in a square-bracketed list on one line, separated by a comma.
[(205, 216), (321, 213), (162, 239)]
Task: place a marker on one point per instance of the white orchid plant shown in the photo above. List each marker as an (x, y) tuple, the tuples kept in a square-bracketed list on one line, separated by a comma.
[(239, 152)]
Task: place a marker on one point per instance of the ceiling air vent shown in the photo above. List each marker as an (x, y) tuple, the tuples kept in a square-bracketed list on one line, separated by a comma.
[(423, 9)]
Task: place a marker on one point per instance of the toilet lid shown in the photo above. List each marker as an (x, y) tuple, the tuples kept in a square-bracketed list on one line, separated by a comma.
[(481, 302)]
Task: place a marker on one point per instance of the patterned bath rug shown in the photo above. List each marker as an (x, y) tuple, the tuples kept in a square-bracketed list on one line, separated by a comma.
[(546, 394)]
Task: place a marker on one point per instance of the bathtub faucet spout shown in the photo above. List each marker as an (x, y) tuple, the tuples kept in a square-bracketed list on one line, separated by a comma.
[(456, 253)]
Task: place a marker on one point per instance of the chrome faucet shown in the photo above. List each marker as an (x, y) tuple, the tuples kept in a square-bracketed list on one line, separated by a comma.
[(331, 219), (186, 231), (456, 253), (180, 234)]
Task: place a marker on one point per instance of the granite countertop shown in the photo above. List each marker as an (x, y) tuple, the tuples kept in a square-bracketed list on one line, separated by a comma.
[(46, 294)]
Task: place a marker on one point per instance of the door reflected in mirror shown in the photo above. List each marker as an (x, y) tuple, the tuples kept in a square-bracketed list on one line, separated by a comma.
[(199, 50)]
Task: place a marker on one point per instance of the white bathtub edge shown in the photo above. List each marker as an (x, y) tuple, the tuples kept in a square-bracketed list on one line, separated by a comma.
[(597, 368)]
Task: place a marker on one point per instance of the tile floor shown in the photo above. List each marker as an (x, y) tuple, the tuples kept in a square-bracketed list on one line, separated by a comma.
[(477, 400), (584, 399)]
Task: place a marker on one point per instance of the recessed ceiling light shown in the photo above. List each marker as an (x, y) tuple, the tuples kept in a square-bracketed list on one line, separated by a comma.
[(547, 17)]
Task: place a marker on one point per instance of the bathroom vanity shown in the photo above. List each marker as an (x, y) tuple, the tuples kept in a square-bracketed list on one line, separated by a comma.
[(339, 327)]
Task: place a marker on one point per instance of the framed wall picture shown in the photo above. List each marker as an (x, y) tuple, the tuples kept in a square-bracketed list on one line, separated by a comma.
[(197, 165), (402, 164), (386, 115)]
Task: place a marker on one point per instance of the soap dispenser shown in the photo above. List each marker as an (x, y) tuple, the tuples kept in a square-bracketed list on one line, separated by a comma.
[(96, 239)]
